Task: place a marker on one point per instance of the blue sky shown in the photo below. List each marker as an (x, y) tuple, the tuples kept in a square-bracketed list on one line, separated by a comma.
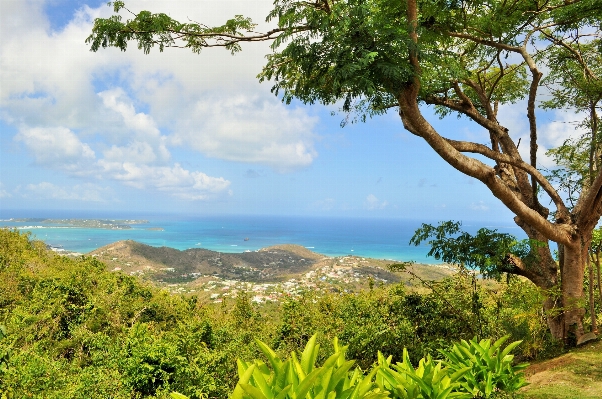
[(197, 134)]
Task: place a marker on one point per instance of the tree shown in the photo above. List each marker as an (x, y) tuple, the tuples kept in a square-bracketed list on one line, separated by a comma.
[(464, 58)]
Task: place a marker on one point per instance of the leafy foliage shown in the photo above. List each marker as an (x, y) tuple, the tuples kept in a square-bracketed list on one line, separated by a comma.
[(428, 380), (475, 370), (301, 378), (485, 367), (75, 330), (488, 250), (161, 30)]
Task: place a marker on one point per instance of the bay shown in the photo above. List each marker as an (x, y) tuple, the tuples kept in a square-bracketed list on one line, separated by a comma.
[(366, 237)]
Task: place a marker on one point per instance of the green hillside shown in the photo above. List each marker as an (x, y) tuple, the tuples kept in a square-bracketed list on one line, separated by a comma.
[(73, 329)]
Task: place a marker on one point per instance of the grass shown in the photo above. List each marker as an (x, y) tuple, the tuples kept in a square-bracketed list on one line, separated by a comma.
[(577, 374)]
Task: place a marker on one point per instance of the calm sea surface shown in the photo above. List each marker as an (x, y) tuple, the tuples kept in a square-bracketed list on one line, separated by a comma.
[(374, 238)]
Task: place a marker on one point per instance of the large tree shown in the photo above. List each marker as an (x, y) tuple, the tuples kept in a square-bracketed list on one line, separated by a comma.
[(464, 58)]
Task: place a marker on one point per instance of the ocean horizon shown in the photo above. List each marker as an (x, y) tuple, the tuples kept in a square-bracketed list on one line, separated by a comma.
[(331, 236)]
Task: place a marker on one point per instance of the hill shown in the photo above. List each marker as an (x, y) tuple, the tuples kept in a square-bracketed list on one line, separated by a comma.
[(269, 271), (172, 265)]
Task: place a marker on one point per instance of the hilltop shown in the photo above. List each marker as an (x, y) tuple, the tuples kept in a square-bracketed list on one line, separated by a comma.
[(270, 272), (170, 264)]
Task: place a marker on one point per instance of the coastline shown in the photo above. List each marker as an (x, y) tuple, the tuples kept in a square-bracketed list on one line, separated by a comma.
[(371, 238)]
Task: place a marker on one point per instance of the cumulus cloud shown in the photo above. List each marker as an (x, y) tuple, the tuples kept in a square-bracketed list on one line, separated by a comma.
[(555, 133), (250, 129), (175, 180), (550, 134), (373, 203), (120, 116), (56, 147)]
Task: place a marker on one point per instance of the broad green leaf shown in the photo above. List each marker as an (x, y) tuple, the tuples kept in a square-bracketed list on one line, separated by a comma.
[(308, 357), (252, 391)]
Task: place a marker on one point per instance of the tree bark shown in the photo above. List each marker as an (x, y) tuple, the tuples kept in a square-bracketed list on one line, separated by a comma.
[(572, 274), (544, 274)]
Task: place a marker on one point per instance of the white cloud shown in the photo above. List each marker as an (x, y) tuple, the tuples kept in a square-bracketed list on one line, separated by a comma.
[(79, 192), (146, 144), (555, 133), (56, 147), (80, 112), (373, 203), (250, 129), (549, 135), (175, 180)]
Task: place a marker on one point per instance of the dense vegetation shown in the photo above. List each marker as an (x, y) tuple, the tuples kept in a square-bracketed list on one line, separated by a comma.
[(74, 330)]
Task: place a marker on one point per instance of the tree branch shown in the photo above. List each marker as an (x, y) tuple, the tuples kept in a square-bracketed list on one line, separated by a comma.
[(414, 122), (589, 206), (464, 146), (575, 53), (485, 42)]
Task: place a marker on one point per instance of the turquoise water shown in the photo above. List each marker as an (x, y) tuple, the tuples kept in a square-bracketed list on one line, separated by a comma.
[(374, 238)]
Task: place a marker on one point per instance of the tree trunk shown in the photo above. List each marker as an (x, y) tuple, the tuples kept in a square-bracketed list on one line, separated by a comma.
[(565, 313), (544, 274), (573, 304)]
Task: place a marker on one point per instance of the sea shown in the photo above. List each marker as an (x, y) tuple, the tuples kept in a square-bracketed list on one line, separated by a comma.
[(376, 238)]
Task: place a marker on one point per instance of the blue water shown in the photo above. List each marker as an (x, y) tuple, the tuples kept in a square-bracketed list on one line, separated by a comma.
[(374, 238)]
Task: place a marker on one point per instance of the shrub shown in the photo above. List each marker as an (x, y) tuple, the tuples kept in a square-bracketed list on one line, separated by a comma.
[(486, 368)]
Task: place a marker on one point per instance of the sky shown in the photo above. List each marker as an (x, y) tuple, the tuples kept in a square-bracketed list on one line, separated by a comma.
[(177, 132)]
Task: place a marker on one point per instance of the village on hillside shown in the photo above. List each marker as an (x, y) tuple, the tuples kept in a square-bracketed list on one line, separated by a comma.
[(277, 273)]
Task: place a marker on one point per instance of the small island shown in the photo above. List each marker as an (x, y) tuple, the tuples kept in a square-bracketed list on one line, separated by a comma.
[(112, 224)]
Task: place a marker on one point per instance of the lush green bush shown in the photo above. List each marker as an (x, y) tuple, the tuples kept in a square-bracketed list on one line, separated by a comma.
[(475, 370), (486, 368), (75, 330)]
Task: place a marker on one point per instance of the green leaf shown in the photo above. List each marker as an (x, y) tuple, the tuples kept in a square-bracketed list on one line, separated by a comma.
[(308, 357), (252, 391), (306, 384)]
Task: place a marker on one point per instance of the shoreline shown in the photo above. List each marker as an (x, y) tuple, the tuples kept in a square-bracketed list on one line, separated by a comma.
[(58, 249), (376, 239)]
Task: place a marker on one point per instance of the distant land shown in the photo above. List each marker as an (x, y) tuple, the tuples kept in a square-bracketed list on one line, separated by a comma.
[(86, 223), (268, 274)]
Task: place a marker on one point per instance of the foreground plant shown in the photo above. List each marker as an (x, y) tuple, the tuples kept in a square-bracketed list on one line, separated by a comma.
[(430, 380), (471, 370), (300, 378), (296, 378), (486, 368)]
